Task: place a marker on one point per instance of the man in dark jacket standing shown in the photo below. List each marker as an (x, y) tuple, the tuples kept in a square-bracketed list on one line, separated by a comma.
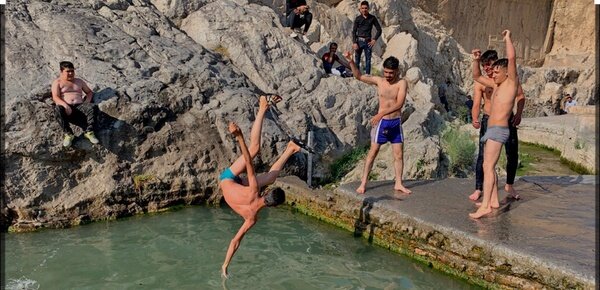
[(361, 35)]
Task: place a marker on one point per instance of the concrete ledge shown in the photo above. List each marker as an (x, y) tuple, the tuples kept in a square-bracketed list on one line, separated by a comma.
[(573, 135), (545, 240), (583, 110)]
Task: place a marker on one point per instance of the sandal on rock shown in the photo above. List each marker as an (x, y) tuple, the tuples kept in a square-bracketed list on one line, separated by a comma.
[(272, 100)]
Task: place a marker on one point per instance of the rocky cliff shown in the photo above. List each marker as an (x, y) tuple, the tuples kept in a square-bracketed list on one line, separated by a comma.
[(169, 75)]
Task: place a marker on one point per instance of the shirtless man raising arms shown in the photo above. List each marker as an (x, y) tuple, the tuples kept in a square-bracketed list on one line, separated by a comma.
[(387, 124), (483, 93), (505, 84)]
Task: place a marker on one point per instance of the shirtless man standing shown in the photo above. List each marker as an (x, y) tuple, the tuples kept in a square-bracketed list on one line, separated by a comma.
[(243, 194), (483, 93), (72, 106), (387, 124), (505, 84)]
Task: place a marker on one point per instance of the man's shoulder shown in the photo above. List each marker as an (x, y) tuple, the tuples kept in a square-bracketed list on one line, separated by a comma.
[(79, 81)]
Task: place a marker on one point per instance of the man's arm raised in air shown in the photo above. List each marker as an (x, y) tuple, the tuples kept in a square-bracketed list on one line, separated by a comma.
[(511, 56), (476, 54), (363, 78)]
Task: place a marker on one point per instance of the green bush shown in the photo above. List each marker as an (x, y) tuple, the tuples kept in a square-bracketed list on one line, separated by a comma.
[(460, 150), (462, 113), (346, 163)]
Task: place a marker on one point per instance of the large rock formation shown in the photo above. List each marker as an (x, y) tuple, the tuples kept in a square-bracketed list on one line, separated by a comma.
[(164, 100)]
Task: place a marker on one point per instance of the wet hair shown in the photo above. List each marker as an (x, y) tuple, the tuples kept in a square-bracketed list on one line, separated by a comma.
[(332, 45), (489, 55), (65, 65), (391, 63), (503, 63), (275, 197), (364, 3)]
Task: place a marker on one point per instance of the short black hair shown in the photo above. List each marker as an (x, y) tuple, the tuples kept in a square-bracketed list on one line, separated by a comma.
[(489, 55), (365, 3), (275, 197), (333, 44), (66, 64), (391, 63), (503, 62)]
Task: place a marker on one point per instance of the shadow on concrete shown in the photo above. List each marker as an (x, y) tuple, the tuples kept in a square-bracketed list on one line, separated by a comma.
[(364, 216), (408, 183)]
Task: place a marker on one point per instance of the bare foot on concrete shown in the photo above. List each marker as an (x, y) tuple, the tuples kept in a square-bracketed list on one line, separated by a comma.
[(294, 147), (512, 193), (480, 212), (401, 188), (475, 195), (361, 189), (492, 204)]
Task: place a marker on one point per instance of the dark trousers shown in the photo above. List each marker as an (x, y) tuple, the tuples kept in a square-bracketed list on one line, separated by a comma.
[(363, 45), (296, 21), (82, 115), (512, 154), (444, 102)]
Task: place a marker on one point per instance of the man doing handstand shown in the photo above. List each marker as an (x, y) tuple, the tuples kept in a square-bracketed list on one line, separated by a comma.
[(243, 194)]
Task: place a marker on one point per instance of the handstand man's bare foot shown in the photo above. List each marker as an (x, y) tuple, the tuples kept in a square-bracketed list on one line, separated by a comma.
[(294, 147), (475, 195), (263, 103), (512, 193), (361, 189), (480, 212), (401, 188)]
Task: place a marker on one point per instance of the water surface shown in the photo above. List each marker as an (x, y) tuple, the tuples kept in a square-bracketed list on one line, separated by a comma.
[(185, 250)]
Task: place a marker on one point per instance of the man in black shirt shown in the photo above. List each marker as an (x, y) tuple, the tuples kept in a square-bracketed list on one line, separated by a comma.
[(361, 35)]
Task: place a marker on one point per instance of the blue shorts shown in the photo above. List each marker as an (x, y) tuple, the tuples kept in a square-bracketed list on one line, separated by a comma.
[(387, 131), (228, 174)]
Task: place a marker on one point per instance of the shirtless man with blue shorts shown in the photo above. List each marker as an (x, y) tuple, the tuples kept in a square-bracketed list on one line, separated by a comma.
[(243, 194), (387, 124)]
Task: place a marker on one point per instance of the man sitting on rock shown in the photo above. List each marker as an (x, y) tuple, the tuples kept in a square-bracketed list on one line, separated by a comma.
[(329, 58), (569, 103), (243, 194), (297, 15), (72, 105)]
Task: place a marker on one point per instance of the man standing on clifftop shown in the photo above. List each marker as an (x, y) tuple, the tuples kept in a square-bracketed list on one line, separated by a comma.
[(387, 124), (361, 35), (71, 105)]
